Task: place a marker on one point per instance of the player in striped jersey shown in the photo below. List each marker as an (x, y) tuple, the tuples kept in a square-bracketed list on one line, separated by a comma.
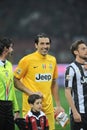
[(76, 86), (38, 74)]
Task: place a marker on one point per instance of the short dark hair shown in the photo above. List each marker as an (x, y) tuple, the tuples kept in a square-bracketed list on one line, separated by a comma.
[(75, 46), (41, 35), (4, 42), (32, 98)]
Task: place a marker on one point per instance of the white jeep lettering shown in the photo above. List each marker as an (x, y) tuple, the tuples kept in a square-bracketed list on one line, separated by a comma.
[(43, 77)]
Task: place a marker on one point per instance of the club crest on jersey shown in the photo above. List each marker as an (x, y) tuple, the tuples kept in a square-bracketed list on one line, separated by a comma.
[(50, 66), (84, 80), (43, 77)]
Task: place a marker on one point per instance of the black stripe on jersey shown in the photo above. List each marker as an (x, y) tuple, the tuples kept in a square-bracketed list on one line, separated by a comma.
[(74, 86), (85, 97), (84, 85), (74, 90), (66, 80)]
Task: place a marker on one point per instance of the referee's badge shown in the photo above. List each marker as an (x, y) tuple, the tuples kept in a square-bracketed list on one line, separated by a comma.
[(6, 73)]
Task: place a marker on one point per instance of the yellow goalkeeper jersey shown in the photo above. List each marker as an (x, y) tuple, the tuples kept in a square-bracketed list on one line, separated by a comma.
[(36, 72)]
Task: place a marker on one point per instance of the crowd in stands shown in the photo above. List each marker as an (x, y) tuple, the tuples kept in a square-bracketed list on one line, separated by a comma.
[(64, 21)]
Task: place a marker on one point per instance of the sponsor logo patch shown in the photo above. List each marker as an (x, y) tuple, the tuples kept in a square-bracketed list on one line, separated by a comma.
[(67, 77), (43, 77), (18, 71)]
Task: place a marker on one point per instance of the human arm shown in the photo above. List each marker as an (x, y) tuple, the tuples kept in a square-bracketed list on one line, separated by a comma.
[(20, 73), (76, 115), (16, 110), (69, 76), (16, 115), (55, 93), (20, 86)]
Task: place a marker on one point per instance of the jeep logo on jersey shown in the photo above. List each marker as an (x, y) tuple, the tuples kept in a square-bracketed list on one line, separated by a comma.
[(84, 80), (43, 77)]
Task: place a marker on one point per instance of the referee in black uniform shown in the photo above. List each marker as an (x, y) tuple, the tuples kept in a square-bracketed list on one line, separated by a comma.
[(76, 86)]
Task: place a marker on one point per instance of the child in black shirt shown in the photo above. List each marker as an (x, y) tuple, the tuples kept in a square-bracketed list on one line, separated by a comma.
[(35, 119)]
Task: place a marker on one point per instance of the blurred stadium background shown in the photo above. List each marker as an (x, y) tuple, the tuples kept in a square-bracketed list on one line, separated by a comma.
[(63, 20)]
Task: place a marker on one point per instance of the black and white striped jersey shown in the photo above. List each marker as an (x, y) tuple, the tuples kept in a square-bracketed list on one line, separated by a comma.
[(76, 79)]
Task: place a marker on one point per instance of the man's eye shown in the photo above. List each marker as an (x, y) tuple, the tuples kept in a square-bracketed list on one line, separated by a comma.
[(47, 43)]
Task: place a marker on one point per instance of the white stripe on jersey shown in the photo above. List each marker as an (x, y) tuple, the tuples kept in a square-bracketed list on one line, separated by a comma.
[(78, 84)]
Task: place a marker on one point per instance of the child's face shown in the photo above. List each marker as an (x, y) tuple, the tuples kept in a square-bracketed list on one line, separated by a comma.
[(37, 106)]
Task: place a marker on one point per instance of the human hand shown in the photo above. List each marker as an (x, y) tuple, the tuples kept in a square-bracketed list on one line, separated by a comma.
[(77, 117), (16, 115), (40, 94), (58, 109)]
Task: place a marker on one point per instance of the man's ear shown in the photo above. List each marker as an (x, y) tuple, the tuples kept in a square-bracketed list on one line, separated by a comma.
[(5, 50), (75, 52), (31, 105), (36, 45)]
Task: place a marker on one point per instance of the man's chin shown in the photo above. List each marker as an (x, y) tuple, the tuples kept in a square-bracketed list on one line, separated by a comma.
[(44, 54)]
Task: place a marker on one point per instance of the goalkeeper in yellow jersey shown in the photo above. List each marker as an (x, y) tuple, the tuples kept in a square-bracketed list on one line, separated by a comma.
[(37, 73)]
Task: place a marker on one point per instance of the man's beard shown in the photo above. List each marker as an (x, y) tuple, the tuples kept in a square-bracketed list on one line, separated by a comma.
[(84, 58)]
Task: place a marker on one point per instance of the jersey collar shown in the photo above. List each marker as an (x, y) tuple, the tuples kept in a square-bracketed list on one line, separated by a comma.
[(41, 56), (2, 63)]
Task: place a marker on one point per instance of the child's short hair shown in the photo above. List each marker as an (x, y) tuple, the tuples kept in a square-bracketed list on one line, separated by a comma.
[(32, 98)]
